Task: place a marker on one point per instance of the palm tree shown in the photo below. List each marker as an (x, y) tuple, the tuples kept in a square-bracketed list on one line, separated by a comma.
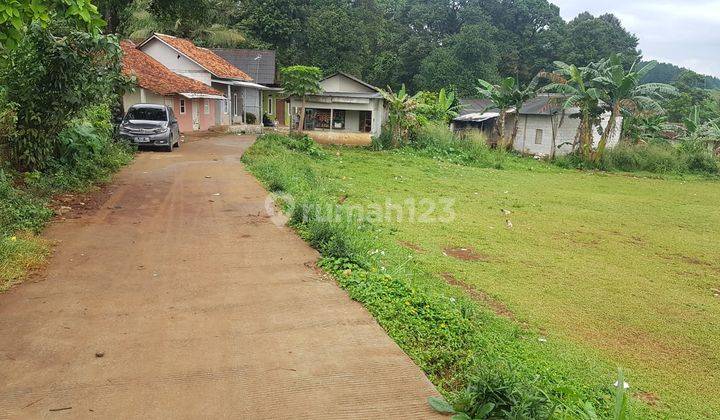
[(506, 96), (623, 93), (401, 113)]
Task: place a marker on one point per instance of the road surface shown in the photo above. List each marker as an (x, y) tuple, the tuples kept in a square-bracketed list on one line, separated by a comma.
[(179, 298)]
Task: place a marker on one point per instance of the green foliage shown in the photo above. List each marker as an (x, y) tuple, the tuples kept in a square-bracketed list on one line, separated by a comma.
[(20, 210), (17, 15), (509, 94), (206, 22), (605, 86), (18, 255), (402, 115), (49, 78), (250, 118), (659, 157), (438, 142), (301, 80), (441, 106)]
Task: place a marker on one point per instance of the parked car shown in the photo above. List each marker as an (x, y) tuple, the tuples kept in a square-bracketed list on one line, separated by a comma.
[(150, 125)]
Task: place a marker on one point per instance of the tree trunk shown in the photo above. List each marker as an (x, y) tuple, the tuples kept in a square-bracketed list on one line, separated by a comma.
[(301, 126), (513, 135), (501, 128), (585, 136), (607, 132)]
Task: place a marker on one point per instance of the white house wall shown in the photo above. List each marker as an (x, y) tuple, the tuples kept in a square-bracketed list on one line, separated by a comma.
[(379, 113), (143, 96), (340, 83), (566, 130), (175, 61)]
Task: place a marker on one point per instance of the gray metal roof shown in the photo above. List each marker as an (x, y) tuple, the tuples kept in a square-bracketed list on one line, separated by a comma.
[(475, 106), (545, 104), (261, 70)]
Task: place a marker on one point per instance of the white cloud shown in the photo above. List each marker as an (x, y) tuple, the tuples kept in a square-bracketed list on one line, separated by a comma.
[(685, 33)]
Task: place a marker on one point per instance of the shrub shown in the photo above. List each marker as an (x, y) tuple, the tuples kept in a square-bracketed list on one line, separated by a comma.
[(657, 157), (19, 210), (51, 76), (250, 118), (468, 148)]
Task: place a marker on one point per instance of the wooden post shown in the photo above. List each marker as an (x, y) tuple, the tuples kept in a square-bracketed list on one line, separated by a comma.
[(331, 118)]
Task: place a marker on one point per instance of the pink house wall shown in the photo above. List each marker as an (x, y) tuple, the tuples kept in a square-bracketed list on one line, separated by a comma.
[(185, 120)]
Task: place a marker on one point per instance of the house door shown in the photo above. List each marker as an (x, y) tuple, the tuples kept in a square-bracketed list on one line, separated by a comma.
[(195, 114), (280, 111), (365, 121)]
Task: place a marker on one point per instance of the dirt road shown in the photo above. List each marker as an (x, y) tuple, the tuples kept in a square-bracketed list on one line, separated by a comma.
[(177, 298)]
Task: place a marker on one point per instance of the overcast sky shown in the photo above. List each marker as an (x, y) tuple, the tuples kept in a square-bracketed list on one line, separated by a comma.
[(682, 32)]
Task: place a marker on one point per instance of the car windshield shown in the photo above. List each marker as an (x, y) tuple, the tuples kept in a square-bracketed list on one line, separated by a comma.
[(147, 114)]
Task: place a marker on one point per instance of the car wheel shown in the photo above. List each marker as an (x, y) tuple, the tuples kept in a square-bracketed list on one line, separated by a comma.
[(169, 147)]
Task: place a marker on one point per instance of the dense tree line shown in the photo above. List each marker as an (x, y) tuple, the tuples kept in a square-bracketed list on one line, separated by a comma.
[(425, 44), (670, 73)]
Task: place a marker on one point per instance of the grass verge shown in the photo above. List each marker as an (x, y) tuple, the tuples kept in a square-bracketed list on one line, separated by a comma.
[(18, 256), (473, 355)]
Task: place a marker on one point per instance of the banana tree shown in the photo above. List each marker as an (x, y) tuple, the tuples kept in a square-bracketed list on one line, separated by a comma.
[(401, 113), (623, 93), (509, 95), (575, 85)]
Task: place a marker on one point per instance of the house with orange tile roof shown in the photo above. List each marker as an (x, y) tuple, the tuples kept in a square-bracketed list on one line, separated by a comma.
[(157, 84), (242, 103)]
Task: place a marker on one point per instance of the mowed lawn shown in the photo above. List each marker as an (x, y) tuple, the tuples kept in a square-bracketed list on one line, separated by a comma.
[(625, 268)]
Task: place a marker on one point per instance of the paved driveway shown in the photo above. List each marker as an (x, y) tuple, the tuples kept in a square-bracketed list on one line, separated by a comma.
[(199, 306)]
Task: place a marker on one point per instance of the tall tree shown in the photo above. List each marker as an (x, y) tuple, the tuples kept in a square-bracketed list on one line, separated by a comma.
[(301, 81), (591, 39)]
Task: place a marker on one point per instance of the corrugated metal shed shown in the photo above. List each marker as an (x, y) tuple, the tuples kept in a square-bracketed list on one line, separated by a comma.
[(259, 64)]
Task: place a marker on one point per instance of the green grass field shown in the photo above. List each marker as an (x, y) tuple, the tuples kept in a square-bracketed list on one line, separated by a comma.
[(625, 269)]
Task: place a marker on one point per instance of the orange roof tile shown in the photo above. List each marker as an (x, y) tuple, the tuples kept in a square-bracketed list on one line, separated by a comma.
[(205, 58), (154, 76)]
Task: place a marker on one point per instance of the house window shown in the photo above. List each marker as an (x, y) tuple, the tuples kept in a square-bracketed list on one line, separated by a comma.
[(270, 106), (338, 119), (538, 136), (317, 119), (206, 106), (182, 106)]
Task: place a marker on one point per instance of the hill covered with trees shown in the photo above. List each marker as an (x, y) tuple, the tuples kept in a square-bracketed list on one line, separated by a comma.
[(426, 44), (670, 73)]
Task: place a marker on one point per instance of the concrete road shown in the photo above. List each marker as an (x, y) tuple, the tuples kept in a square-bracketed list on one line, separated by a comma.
[(179, 298)]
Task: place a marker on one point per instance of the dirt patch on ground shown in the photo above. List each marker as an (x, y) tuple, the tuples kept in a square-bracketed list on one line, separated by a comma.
[(647, 397), (466, 254), (412, 246), (77, 205), (689, 259), (498, 307)]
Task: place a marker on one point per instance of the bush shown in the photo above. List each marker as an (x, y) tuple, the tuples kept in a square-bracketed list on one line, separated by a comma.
[(20, 210), (656, 157), (51, 76), (250, 118), (467, 148)]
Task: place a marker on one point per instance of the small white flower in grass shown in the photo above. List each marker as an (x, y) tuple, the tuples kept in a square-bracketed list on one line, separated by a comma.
[(452, 299), (542, 340), (625, 384)]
